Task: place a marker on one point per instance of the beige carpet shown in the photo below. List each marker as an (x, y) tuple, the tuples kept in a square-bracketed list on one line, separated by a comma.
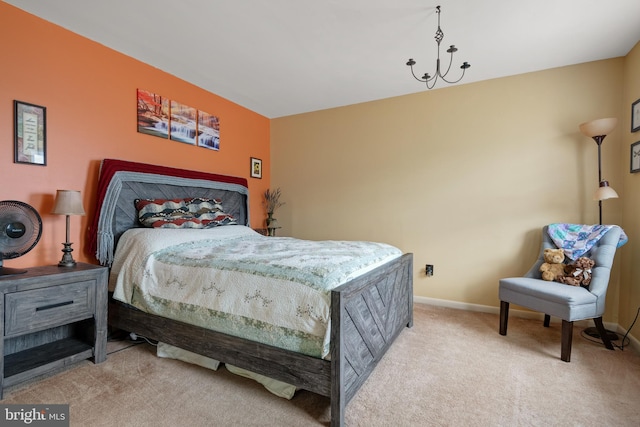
[(451, 369)]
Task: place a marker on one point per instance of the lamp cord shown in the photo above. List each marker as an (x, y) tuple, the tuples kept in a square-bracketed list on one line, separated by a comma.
[(621, 347)]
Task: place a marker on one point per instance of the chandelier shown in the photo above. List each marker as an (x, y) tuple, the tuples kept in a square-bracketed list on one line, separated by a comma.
[(431, 80)]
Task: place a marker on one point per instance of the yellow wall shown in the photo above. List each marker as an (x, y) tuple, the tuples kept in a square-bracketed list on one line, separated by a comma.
[(464, 177), (630, 272), (89, 92)]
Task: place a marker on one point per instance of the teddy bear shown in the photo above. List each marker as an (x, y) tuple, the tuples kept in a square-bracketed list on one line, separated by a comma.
[(553, 267), (578, 273)]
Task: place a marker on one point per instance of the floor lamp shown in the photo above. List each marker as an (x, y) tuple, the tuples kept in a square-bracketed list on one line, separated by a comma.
[(598, 129)]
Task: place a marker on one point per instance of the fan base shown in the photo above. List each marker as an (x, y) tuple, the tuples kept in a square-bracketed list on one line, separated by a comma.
[(5, 271)]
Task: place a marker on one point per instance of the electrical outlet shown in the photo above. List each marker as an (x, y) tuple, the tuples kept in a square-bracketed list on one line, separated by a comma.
[(428, 269)]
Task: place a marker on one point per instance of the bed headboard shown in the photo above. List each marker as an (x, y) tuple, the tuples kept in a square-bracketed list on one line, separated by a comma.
[(121, 182)]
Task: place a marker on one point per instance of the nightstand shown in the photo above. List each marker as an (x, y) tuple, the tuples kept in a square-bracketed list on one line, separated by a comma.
[(52, 317), (262, 231)]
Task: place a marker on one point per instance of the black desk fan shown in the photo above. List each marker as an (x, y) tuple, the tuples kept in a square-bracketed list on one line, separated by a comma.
[(20, 231)]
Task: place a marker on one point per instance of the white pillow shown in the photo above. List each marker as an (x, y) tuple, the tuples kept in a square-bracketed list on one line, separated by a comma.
[(279, 388), (276, 387), (171, 352)]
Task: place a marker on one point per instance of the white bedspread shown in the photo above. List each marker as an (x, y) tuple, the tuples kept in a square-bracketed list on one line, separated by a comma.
[(274, 290)]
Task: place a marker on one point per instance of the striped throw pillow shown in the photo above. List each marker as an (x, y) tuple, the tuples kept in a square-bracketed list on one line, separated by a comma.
[(195, 212)]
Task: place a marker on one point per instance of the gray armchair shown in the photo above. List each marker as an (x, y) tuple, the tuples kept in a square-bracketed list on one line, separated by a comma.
[(570, 303)]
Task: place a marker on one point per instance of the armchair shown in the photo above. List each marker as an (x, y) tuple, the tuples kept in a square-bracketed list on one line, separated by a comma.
[(569, 303)]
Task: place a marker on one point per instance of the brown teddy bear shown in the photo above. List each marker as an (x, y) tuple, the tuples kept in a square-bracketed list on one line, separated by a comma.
[(553, 267), (578, 273)]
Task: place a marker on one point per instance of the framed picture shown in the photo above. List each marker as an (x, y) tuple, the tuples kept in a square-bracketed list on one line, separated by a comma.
[(30, 134), (635, 116), (635, 157), (256, 168)]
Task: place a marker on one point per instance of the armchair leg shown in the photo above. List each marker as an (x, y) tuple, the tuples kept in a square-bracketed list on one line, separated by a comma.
[(504, 317), (567, 338), (603, 332), (547, 320)]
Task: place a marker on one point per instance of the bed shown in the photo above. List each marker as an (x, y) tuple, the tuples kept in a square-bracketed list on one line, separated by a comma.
[(366, 312)]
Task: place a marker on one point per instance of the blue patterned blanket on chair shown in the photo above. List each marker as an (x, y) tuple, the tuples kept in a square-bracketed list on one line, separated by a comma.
[(578, 239)]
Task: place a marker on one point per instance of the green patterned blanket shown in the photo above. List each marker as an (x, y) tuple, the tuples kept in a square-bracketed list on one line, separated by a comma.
[(274, 290)]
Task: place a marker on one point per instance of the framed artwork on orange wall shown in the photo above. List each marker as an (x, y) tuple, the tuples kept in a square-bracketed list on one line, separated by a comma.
[(256, 168), (30, 134)]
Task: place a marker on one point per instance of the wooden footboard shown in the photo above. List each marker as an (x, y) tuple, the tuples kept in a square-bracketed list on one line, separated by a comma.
[(367, 314)]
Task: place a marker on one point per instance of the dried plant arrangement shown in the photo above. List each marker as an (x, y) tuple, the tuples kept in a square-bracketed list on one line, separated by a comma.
[(272, 200)]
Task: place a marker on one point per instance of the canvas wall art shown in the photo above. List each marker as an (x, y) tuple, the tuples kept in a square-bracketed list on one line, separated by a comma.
[(166, 118), (153, 114), (208, 131)]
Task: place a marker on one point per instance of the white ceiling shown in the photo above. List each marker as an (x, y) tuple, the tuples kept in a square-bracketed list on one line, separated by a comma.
[(283, 57)]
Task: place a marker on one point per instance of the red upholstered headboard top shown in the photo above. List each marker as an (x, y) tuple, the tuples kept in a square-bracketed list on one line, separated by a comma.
[(121, 182)]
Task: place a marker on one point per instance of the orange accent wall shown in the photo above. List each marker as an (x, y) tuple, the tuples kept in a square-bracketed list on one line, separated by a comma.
[(89, 92)]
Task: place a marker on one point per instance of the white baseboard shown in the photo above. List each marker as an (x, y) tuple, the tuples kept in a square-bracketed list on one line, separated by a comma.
[(521, 313)]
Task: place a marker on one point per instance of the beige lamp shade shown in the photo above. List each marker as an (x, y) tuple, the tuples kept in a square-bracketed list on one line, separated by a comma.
[(598, 127), (68, 202), (605, 192)]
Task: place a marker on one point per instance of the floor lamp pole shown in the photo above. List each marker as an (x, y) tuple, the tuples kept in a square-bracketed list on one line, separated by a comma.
[(593, 331), (599, 140)]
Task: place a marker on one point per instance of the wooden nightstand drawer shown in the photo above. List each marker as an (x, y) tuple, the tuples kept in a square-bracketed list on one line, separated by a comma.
[(33, 310)]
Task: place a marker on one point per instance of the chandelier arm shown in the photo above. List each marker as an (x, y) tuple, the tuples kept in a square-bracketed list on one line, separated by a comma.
[(415, 77), (448, 68), (422, 80), (454, 81), (432, 79)]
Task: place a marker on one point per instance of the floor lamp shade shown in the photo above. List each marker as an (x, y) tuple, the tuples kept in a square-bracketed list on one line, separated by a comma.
[(598, 127), (605, 192)]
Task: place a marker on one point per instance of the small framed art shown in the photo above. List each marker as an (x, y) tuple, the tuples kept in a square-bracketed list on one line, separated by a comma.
[(635, 116), (30, 134), (256, 168), (635, 157)]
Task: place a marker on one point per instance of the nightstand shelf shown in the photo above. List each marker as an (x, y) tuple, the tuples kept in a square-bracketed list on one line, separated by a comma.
[(26, 364), (51, 317)]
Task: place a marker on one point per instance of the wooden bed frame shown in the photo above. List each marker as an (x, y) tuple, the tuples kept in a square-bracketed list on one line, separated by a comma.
[(367, 313)]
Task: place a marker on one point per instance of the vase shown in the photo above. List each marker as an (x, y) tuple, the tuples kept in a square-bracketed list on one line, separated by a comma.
[(271, 224)]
